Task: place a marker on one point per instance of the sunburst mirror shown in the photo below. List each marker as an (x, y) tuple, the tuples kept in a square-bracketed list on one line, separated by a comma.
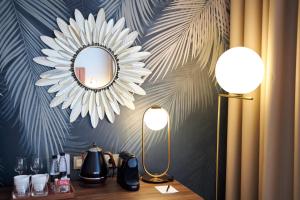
[(95, 67)]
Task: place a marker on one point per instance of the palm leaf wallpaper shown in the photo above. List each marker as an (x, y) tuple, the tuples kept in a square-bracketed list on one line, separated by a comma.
[(185, 38)]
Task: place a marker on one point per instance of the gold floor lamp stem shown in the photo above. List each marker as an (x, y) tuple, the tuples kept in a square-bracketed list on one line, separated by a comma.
[(236, 96)]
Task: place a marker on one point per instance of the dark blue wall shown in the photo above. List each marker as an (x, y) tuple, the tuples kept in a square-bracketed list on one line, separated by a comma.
[(184, 84)]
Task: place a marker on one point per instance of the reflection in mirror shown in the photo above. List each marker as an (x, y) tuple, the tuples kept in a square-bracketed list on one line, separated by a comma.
[(95, 67)]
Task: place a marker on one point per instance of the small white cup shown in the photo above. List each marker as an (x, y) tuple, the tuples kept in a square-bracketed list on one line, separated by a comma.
[(39, 182), (21, 183)]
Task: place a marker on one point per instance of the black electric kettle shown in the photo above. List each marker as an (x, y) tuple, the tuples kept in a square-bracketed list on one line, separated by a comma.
[(94, 168)]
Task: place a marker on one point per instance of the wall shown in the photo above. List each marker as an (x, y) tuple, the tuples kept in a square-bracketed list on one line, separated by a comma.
[(185, 38)]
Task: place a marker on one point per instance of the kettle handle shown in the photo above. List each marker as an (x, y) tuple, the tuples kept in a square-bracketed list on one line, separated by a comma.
[(111, 160)]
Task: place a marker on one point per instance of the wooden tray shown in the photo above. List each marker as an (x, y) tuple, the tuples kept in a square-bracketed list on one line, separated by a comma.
[(51, 195)]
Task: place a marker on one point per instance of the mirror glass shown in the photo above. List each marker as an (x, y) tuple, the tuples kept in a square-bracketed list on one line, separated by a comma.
[(95, 67)]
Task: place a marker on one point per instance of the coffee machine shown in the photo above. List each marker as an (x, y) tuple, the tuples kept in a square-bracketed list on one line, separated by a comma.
[(128, 171)]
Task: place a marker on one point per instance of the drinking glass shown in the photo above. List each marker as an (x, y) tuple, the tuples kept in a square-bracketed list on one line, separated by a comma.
[(21, 165), (36, 164)]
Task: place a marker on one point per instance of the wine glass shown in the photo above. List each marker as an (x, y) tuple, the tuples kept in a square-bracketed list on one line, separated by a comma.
[(36, 164), (21, 165)]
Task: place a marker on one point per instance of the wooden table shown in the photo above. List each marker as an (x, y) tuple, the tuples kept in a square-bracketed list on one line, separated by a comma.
[(112, 191)]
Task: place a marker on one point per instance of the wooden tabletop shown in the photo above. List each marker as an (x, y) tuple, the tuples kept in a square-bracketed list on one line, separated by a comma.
[(112, 191)]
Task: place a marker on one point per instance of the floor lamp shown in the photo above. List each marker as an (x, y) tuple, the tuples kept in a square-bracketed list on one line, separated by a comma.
[(239, 71)]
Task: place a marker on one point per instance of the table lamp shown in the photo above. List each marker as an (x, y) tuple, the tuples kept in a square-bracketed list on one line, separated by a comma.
[(156, 118), (239, 71)]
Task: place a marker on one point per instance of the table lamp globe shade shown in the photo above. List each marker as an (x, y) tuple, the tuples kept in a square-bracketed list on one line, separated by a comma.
[(239, 70), (156, 118)]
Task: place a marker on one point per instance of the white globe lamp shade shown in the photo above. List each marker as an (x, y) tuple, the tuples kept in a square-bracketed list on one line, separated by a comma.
[(156, 118), (239, 70)]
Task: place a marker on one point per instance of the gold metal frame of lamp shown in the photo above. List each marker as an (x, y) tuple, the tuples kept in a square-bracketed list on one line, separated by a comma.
[(235, 96), (162, 177)]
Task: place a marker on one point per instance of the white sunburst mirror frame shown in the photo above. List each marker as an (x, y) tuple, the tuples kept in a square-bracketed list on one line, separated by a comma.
[(127, 74)]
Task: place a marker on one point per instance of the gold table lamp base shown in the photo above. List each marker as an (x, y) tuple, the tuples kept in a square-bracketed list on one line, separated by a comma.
[(150, 179)]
